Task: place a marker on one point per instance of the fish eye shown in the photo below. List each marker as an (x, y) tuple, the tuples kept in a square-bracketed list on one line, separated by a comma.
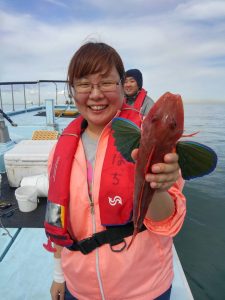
[(173, 124), (154, 119)]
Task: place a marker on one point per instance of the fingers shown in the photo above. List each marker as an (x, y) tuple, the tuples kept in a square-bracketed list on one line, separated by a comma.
[(134, 154), (162, 181), (164, 175), (171, 158), (166, 168), (62, 296), (170, 164), (57, 291)]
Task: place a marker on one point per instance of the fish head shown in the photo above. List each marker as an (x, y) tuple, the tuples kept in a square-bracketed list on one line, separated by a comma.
[(166, 118)]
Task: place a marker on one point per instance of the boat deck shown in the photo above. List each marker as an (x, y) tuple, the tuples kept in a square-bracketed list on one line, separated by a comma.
[(12, 217), (33, 119)]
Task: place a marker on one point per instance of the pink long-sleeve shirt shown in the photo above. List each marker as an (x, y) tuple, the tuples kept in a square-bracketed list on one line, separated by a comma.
[(144, 271)]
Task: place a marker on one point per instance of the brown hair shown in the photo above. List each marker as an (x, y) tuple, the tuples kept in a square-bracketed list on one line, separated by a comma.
[(91, 58)]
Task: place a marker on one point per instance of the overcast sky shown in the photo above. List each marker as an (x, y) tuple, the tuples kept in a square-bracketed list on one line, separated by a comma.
[(178, 45)]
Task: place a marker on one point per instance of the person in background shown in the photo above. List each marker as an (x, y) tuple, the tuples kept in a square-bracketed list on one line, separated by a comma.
[(90, 201), (135, 95)]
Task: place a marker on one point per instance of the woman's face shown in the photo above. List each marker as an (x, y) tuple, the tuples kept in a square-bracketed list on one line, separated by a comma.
[(99, 107)]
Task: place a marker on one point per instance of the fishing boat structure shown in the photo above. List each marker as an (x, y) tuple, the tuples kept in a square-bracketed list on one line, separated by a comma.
[(26, 267)]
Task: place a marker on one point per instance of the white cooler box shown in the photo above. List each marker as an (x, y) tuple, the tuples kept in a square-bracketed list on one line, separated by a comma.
[(27, 158)]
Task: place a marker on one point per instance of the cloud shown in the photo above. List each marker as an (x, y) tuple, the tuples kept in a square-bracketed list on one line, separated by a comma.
[(202, 10), (173, 52), (57, 3)]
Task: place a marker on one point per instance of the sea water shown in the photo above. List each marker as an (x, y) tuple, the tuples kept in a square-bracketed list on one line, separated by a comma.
[(201, 242)]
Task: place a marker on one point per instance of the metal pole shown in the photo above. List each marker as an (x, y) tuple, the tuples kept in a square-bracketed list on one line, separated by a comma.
[(13, 98), (50, 115), (39, 94), (1, 98), (24, 97), (56, 93)]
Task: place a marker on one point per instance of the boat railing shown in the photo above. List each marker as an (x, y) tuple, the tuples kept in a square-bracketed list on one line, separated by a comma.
[(16, 95)]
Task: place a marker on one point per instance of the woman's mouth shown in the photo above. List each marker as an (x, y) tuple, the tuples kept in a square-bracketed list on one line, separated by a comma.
[(97, 107)]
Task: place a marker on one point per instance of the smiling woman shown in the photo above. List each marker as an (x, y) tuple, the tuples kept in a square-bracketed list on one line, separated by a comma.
[(95, 81), (90, 200), (98, 98)]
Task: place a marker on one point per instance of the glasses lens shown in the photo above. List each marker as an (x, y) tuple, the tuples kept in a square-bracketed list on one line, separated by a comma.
[(83, 87), (107, 86), (104, 86)]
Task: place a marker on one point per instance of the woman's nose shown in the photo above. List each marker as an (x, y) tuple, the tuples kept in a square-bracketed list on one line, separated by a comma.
[(95, 92)]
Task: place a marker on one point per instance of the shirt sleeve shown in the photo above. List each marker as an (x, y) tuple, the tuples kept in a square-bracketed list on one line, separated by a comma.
[(148, 103), (172, 225)]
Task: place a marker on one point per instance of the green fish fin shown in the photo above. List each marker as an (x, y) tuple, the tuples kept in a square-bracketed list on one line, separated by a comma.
[(127, 136), (195, 159)]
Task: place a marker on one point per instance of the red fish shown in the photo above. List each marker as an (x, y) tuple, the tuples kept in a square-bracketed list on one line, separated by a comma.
[(161, 129)]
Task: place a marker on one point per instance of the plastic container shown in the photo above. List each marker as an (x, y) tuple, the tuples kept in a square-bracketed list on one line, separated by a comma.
[(27, 158), (27, 198), (40, 182)]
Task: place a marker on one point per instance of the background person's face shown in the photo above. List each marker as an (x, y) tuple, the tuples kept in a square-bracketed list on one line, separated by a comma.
[(130, 86)]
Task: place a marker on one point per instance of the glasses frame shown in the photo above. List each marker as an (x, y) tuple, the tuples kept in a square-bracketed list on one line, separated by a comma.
[(92, 85)]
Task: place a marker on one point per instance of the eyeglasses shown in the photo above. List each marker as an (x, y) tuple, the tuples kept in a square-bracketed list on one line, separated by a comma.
[(103, 86)]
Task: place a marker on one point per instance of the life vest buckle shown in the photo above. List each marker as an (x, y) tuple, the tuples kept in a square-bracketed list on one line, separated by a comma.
[(87, 245), (123, 246), (113, 235)]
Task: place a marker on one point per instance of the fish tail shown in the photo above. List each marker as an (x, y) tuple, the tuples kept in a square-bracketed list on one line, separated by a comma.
[(190, 135)]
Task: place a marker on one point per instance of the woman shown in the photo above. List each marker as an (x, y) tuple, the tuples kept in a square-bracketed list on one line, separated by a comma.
[(87, 176)]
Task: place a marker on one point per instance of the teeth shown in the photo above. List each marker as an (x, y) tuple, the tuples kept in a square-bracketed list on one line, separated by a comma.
[(98, 107)]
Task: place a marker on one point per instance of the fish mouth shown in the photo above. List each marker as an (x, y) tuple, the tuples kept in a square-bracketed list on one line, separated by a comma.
[(97, 107)]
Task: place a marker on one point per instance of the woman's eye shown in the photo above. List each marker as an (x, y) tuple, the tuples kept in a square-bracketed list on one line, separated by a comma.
[(84, 85), (106, 83)]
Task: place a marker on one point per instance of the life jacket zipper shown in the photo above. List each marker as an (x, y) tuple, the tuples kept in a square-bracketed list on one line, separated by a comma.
[(94, 227), (93, 216)]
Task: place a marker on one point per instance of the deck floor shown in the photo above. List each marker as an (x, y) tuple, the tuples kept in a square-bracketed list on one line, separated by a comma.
[(33, 120), (18, 219)]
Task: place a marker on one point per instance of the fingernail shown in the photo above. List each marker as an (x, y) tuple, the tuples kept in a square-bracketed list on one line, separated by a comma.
[(154, 185), (155, 169)]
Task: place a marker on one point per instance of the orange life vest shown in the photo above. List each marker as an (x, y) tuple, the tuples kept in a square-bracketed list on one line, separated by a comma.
[(140, 99), (117, 174)]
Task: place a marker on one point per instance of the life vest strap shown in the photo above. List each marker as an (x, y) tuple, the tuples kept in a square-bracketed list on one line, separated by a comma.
[(113, 235)]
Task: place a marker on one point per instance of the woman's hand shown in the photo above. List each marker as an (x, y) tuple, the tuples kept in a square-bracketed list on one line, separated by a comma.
[(57, 290), (163, 175)]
